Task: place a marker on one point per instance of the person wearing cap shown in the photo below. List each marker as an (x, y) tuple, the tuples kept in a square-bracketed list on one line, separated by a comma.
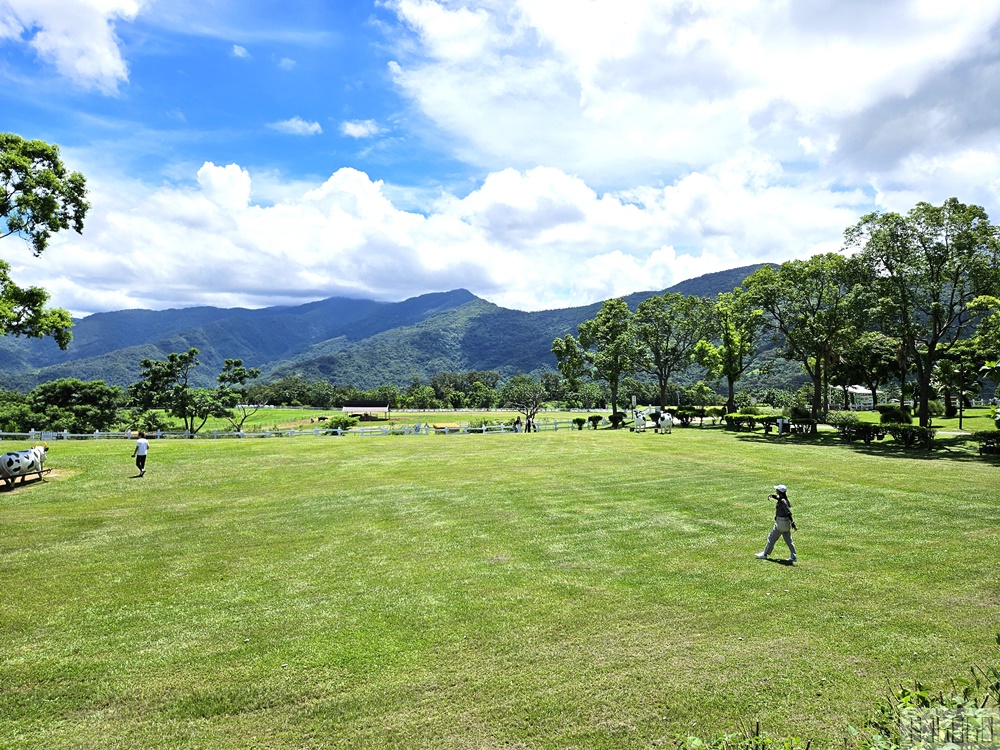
[(783, 524)]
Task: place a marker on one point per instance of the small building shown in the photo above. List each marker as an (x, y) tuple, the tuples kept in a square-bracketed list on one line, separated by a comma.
[(860, 398)]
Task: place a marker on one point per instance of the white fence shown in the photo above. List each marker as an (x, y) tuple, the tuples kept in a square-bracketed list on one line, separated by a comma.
[(362, 431)]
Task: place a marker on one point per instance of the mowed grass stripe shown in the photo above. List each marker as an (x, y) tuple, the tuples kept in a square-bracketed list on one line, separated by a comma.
[(589, 589)]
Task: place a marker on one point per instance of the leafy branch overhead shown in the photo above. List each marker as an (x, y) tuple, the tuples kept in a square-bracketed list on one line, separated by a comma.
[(38, 196)]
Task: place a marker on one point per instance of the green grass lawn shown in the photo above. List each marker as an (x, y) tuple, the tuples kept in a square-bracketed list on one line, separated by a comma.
[(591, 589)]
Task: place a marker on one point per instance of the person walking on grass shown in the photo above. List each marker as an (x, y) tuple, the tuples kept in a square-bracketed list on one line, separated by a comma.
[(139, 453), (783, 524)]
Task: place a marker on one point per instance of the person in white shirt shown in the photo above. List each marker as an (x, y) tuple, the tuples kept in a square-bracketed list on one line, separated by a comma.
[(139, 454)]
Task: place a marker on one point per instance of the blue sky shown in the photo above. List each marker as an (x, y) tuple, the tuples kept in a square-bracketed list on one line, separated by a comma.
[(539, 153)]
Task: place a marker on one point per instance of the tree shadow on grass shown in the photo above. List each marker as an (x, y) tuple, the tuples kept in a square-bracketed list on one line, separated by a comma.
[(946, 447)]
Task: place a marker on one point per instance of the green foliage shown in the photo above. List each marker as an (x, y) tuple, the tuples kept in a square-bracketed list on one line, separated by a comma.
[(738, 421), (38, 195), (73, 405), (166, 384), (894, 414), (608, 345), (579, 422), (524, 394), (341, 421), (957, 717), (595, 420), (923, 272), (910, 435), (617, 419)]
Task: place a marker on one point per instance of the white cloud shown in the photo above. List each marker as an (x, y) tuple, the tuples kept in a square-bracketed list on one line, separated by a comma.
[(297, 126), (638, 89), (240, 52), (76, 36), (286, 63), (360, 128), (529, 240)]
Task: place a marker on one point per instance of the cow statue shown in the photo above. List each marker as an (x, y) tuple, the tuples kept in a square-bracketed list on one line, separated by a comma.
[(21, 463)]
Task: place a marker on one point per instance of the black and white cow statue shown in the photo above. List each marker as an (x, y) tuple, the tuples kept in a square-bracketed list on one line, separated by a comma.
[(21, 463)]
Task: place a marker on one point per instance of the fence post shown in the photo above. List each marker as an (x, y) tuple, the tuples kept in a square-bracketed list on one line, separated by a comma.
[(316, 431), (215, 434)]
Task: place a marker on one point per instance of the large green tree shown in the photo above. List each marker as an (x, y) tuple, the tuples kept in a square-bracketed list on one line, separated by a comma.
[(808, 308), (667, 328), (75, 405), (38, 196), (234, 383), (735, 331), (926, 268), (525, 394), (166, 384), (607, 346)]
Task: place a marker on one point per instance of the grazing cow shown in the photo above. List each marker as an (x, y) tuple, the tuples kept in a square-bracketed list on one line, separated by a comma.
[(21, 463)]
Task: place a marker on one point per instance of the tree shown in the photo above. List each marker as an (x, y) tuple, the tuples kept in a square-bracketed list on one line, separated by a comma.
[(38, 196), (926, 268), (74, 405), (871, 359), (808, 308), (667, 329), (525, 394), (608, 345), (166, 384), (23, 312), (738, 326), (233, 392), (570, 361)]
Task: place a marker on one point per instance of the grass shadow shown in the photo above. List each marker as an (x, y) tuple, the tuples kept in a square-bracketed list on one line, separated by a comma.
[(946, 448)]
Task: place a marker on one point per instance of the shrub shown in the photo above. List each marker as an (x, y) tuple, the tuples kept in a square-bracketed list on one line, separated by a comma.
[(343, 421), (715, 413), (936, 409), (800, 412), (910, 435), (838, 418), (739, 421), (617, 420), (595, 420), (989, 441), (685, 415), (894, 414), (579, 422)]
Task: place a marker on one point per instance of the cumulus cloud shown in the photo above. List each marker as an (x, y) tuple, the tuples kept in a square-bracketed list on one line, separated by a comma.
[(297, 126), (286, 63), (647, 89), (240, 52), (532, 239), (360, 128), (76, 36)]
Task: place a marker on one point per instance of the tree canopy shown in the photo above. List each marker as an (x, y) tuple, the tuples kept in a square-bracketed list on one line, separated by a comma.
[(38, 196)]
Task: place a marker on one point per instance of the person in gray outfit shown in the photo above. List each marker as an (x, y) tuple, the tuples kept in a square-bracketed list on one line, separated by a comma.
[(783, 524)]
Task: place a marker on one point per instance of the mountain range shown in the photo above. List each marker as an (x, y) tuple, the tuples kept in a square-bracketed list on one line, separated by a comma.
[(345, 341)]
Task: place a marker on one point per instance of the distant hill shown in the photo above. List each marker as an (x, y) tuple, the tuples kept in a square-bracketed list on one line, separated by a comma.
[(346, 341)]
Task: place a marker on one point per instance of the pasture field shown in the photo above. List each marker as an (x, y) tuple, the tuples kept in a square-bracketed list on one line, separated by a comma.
[(284, 418), (593, 589)]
